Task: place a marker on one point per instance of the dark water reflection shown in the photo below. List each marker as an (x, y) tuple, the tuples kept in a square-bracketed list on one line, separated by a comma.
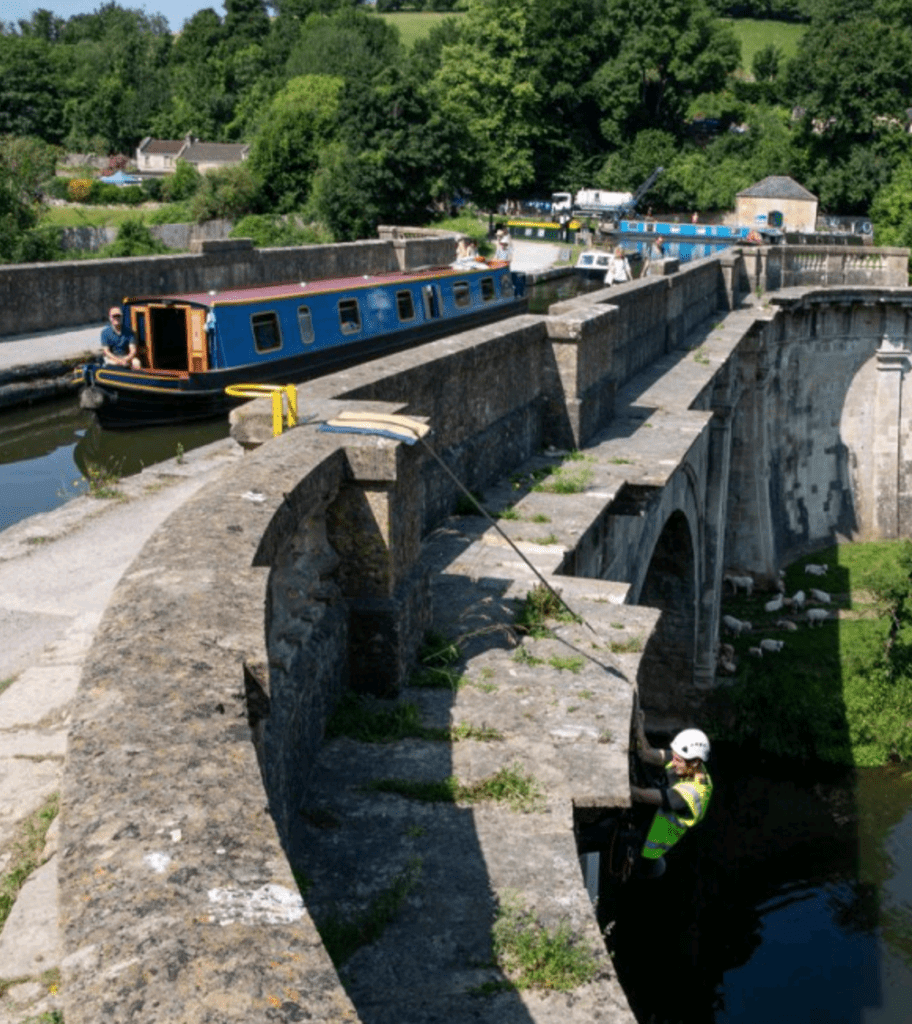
[(793, 904), (48, 451)]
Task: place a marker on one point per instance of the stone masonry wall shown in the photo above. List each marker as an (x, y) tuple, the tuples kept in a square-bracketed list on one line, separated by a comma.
[(42, 296)]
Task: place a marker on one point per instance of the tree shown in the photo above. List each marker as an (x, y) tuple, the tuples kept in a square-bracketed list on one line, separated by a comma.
[(345, 44), (766, 63), (664, 52), (30, 89), (301, 120)]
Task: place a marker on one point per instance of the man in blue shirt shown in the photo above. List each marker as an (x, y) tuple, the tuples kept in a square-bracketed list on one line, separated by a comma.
[(118, 344)]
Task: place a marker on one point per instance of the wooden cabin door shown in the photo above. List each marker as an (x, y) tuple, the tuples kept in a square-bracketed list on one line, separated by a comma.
[(197, 349)]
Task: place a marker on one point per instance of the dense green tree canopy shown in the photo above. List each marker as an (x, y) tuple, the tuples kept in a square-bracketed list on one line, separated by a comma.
[(512, 98)]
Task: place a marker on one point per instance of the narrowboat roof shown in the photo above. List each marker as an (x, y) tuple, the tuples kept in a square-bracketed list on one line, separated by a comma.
[(295, 289)]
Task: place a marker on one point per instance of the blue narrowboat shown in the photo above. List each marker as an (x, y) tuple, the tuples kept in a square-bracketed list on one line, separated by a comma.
[(193, 346)]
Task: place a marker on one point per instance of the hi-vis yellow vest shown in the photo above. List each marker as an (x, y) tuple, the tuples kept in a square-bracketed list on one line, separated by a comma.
[(669, 826)]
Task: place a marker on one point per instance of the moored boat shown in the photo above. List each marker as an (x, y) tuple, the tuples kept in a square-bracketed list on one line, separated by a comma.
[(193, 346)]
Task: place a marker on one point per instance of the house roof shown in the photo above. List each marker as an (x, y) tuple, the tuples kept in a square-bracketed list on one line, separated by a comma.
[(777, 186), (162, 147), (219, 152)]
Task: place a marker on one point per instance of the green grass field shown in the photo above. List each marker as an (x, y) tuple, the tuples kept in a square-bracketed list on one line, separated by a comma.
[(415, 25), (755, 34)]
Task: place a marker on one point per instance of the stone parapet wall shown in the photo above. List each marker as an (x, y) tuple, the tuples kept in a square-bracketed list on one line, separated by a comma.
[(44, 296), (771, 267)]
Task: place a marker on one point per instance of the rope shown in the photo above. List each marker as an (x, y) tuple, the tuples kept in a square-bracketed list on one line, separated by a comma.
[(413, 430)]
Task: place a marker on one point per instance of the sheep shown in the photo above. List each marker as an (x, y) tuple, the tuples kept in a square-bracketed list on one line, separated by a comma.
[(775, 605), (773, 646), (728, 666), (745, 583), (798, 599), (755, 652), (726, 651), (816, 570), (734, 625), (820, 595), (817, 616), (786, 624)]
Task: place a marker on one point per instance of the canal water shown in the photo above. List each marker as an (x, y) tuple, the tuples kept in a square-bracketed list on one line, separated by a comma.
[(50, 452)]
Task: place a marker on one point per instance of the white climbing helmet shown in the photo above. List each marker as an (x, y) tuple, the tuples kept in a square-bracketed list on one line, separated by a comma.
[(691, 743)]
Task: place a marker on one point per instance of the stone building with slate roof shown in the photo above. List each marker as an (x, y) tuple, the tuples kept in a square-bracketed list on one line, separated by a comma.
[(161, 155), (777, 202)]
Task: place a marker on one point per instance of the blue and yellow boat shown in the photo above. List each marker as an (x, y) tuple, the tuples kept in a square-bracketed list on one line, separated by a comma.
[(194, 346)]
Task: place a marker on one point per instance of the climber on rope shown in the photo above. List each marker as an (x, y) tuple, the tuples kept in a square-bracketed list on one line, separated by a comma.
[(682, 799)]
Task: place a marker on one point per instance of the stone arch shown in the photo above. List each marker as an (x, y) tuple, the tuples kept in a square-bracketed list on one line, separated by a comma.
[(670, 584)]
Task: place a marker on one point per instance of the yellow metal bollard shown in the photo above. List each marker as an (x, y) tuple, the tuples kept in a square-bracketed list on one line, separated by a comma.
[(278, 391)]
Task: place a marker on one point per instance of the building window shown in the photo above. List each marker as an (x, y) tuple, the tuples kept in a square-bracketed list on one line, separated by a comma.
[(305, 325), (405, 306), (349, 316), (266, 333), (487, 289), (461, 294)]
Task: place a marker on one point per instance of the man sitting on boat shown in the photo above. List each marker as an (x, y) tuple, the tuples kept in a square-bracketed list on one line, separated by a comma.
[(118, 343)]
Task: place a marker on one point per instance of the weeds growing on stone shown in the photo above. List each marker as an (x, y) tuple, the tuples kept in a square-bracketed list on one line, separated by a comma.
[(509, 512), (524, 657), (631, 646), (101, 481), (437, 656), (511, 785), (572, 664), (482, 733), (701, 356), (566, 481), (5, 684), (532, 956), (540, 517), (26, 853), (539, 605), (370, 722), (343, 937)]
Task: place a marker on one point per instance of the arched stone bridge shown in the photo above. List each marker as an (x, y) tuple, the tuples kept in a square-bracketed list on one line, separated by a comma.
[(730, 414)]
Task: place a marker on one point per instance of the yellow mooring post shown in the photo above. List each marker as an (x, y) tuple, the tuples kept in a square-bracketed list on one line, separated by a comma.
[(289, 391)]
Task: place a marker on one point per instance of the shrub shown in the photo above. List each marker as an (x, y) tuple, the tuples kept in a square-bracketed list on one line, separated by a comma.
[(134, 239), (182, 183)]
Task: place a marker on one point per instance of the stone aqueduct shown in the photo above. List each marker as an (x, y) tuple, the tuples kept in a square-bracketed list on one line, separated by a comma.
[(734, 413)]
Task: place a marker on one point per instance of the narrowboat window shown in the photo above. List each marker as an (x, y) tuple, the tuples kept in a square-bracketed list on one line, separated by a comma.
[(141, 328), (487, 289), (506, 286), (405, 306), (461, 294), (349, 316), (266, 333), (305, 325), (586, 259)]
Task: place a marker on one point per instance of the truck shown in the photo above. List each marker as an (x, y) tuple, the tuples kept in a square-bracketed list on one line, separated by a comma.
[(594, 202)]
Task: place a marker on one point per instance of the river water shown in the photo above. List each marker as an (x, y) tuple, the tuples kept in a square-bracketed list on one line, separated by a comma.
[(791, 902)]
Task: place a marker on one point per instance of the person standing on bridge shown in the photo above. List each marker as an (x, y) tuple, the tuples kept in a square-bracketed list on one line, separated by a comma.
[(118, 343), (682, 799)]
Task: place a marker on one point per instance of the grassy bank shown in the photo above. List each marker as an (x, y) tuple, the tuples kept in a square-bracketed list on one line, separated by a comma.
[(755, 34), (838, 692)]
